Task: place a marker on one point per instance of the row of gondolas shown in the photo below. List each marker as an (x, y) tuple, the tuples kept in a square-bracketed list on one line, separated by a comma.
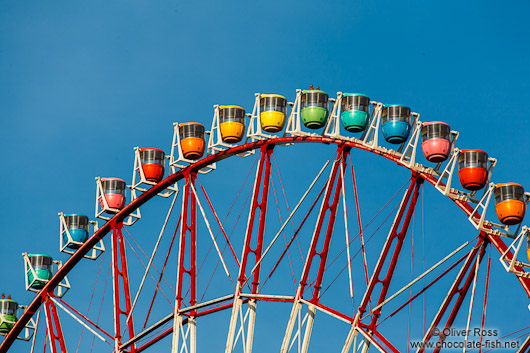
[(396, 124)]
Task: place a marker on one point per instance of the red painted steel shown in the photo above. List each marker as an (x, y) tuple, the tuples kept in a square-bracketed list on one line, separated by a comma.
[(334, 182), (264, 171), (363, 329), (172, 179), (485, 301), (158, 338), (220, 225), (406, 209), (335, 312), (188, 230), (53, 325), (501, 247), (86, 319), (428, 285), (120, 270), (295, 234), (386, 342), (457, 289)]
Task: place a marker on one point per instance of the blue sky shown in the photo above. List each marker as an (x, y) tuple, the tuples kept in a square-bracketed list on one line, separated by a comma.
[(85, 82)]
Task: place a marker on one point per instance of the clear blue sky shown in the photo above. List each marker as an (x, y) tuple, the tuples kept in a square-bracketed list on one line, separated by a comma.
[(82, 83)]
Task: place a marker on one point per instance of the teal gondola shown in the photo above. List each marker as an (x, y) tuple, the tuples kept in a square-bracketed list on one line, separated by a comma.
[(42, 265), (355, 110)]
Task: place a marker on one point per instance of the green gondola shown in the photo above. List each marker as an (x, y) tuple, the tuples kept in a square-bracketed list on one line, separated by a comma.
[(8, 314), (314, 108)]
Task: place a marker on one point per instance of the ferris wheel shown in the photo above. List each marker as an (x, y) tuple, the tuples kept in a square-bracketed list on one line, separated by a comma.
[(212, 247)]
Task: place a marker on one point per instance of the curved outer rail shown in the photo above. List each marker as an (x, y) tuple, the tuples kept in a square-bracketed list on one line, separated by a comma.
[(172, 179)]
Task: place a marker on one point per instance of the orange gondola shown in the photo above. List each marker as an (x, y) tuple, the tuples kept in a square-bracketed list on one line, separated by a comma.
[(509, 203), (192, 140), (232, 123)]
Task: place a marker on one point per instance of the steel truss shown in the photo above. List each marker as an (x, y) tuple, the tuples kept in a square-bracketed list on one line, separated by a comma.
[(335, 182), (184, 323), (120, 271), (364, 323), (459, 290), (53, 326), (390, 252), (261, 183)]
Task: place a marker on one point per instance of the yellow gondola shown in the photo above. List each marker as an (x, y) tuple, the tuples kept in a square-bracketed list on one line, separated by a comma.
[(272, 112)]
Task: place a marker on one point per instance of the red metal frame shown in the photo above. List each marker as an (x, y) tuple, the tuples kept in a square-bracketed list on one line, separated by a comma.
[(459, 290), (188, 229), (385, 342), (172, 179), (263, 173), (334, 182), (120, 270), (428, 285), (408, 204), (53, 325), (86, 319), (485, 300)]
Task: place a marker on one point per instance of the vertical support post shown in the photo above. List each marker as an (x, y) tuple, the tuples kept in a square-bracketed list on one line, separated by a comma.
[(392, 249), (456, 289), (188, 237), (55, 331), (397, 234), (120, 270), (334, 182), (262, 182)]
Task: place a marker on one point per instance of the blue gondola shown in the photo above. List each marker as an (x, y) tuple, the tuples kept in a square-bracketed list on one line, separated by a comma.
[(396, 123), (77, 225)]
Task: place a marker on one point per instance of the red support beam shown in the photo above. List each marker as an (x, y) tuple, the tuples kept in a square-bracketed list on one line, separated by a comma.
[(261, 183), (334, 183), (73, 260), (459, 290), (386, 342), (54, 329), (499, 244), (120, 270), (392, 249), (428, 285), (86, 319), (188, 233)]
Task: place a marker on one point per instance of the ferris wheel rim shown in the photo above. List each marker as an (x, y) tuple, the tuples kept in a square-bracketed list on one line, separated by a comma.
[(170, 180)]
